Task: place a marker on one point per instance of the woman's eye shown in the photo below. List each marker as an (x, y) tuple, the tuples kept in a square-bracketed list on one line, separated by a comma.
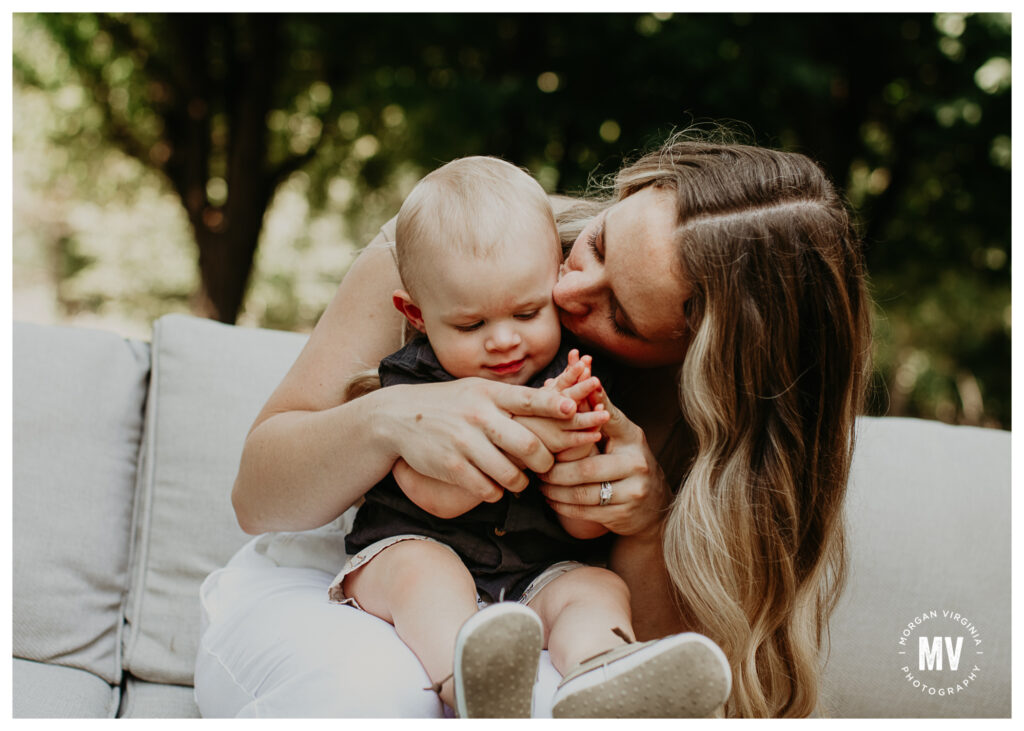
[(592, 243), (620, 329), (613, 310), (595, 243), (527, 315), (469, 328)]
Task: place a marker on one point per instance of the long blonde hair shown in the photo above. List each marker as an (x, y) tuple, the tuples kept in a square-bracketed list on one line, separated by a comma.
[(773, 378)]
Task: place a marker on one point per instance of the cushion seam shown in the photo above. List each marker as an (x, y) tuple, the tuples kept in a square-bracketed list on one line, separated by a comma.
[(142, 513), (119, 639)]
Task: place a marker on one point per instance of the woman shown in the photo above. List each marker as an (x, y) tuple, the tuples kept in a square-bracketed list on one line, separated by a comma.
[(729, 277)]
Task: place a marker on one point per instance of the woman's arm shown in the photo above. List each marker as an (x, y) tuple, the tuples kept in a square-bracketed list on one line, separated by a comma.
[(638, 505), (580, 432), (303, 440), (639, 560), (309, 456)]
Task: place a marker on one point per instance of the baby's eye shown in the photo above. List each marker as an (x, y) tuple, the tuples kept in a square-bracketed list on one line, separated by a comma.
[(469, 328), (527, 315)]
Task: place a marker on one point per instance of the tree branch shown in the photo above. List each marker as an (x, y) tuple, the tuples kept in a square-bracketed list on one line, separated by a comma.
[(126, 40)]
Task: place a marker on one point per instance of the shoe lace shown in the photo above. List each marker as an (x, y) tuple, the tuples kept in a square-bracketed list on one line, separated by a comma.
[(618, 632), (436, 687)]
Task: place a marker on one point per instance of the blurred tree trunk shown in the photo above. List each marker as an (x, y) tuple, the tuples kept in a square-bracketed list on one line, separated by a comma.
[(226, 232), (209, 78)]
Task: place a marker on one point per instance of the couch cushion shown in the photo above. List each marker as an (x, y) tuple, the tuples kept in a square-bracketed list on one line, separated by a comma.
[(41, 690), (157, 700), (208, 383), (928, 511), (78, 407)]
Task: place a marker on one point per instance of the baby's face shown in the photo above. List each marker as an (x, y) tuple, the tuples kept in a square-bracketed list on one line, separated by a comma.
[(493, 317)]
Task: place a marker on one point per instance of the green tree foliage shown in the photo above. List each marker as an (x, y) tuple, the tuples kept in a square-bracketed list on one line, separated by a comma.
[(909, 113)]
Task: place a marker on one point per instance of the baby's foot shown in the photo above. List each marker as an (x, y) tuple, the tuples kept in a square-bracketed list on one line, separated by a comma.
[(497, 652), (682, 676)]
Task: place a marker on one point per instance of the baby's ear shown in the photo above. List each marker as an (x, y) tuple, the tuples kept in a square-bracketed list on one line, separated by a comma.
[(403, 303)]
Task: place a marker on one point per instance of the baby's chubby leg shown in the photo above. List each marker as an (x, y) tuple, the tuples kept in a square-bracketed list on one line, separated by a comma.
[(579, 610), (425, 591), (682, 676)]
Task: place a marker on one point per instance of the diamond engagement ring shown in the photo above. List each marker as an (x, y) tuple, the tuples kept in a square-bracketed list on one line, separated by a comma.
[(606, 493)]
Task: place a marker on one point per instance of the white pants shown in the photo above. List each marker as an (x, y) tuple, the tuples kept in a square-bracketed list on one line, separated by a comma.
[(272, 646)]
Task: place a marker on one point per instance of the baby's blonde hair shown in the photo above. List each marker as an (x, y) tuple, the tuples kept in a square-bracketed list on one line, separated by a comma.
[(465, 208)]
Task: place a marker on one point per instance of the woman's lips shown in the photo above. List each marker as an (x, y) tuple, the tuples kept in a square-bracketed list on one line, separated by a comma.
[(505, 369)]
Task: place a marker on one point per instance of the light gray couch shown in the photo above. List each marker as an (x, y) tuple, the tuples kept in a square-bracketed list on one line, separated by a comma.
[(124, 456)]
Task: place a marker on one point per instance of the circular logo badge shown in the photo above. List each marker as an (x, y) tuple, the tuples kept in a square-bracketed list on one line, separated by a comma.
[(940, 653)]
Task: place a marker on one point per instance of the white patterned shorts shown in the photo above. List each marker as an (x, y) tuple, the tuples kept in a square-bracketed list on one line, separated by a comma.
[(337, 595)]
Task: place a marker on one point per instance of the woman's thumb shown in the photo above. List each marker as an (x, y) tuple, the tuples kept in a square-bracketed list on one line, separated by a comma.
[(618, 425)]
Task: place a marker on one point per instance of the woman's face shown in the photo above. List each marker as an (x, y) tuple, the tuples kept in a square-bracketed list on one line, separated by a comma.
[(620, 288)]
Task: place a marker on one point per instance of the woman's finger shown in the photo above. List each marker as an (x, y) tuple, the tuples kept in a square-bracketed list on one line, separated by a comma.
[(526, 401), (596, 469), (512, 437), (579, 391), (483, 466), (623, 518), (585, 420), (426, 491), (585, 494), (555, 435), (569, 440), (461, 432), (504, 438), (610, 516), (619, 426)]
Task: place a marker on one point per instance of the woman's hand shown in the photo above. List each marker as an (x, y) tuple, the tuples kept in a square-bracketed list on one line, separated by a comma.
[(640, 492), (441, 499), (577, 383), (460, 432), (568, 440)]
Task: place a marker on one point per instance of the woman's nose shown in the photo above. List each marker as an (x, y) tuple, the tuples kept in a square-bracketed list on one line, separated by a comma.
[(573, 292), (503, 337)]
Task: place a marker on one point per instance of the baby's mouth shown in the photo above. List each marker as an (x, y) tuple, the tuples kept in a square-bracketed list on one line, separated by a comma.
[(504, 369)]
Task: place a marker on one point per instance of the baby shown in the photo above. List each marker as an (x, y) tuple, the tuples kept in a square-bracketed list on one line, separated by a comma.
[(478, 254)]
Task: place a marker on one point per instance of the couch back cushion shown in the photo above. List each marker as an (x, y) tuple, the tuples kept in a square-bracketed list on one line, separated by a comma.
[(928, 510), (208, 383), (78, 405)]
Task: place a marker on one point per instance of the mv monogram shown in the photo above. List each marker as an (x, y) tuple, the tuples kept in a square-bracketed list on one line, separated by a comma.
[(931, 655), (944, 640)]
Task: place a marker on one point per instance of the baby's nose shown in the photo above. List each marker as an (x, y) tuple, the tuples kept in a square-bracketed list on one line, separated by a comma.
[(504, 337)]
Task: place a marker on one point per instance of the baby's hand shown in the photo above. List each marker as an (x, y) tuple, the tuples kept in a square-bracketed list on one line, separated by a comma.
[(572, 373), (577, 383)]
